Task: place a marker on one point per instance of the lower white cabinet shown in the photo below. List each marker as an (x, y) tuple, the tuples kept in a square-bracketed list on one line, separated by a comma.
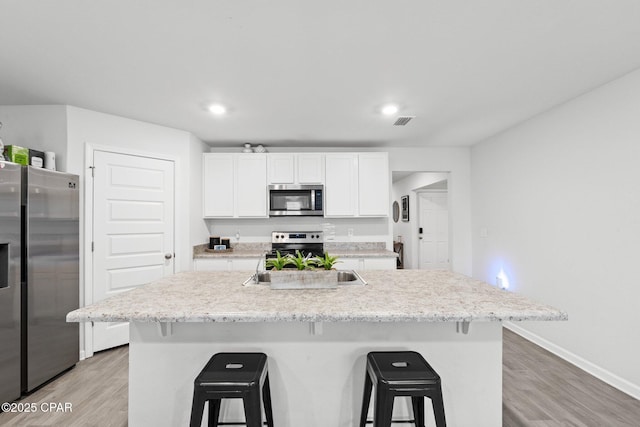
[(378, 263), (236, 264), (226, 264)]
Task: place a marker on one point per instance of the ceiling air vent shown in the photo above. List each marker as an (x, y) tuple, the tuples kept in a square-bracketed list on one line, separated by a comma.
[(403, 120)]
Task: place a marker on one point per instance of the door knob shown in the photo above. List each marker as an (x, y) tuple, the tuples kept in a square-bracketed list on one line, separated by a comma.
[(168, 256)]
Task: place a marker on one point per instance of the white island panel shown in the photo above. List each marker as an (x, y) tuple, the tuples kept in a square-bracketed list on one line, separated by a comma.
[(316, 380)]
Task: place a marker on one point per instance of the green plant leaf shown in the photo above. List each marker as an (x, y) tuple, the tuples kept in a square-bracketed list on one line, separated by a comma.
[(327, 261), (278, 262)]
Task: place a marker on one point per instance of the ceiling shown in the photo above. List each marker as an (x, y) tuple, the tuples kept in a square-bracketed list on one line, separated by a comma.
[(315, 73)]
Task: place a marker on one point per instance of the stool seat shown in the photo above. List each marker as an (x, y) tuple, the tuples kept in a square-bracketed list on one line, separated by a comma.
[(401, 373), (233, 375)]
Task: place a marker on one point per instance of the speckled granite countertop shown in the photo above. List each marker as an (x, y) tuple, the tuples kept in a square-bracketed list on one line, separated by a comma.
[(244, 250), (256, 250), (390, 296), (363, 253)]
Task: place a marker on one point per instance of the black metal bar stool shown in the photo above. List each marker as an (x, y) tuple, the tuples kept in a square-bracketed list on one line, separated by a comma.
[(400, 373), (233, 375)]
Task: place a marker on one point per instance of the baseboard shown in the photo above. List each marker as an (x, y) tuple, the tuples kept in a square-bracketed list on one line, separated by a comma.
[(613, 380)]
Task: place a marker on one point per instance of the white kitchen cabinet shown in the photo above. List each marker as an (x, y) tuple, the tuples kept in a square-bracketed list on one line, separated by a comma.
[(226, 264), (341, 185), (251, 180), (373, 184), (210, 264), (359, 264), (296, 168), (235, 185), (281, 168), (310, 168), (357, 185), (218, 185), (350, 264)]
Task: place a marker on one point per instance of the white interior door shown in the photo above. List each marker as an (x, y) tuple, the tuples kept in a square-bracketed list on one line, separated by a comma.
[(133, 230), (434, 239)]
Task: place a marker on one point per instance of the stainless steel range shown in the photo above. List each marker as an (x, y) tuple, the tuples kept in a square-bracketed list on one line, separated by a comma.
[(288, 242)]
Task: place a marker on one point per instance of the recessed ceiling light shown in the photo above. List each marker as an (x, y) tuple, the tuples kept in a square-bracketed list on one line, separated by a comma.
[(217, 109), (389, 109)]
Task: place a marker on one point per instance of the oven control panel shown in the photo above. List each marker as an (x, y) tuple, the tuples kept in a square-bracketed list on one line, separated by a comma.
[(297, 237)]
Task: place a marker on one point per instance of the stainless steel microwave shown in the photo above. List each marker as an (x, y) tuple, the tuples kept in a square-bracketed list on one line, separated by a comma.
[(296, 200)]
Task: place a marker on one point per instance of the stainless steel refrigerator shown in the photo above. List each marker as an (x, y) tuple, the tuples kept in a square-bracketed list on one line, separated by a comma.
[(10, 253), (39, 245)]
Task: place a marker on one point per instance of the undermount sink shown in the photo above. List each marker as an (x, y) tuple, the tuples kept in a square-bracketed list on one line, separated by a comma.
[(344, 278)]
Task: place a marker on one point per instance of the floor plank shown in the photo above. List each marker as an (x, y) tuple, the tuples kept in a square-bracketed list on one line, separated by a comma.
[(539, 390), (96, 388)]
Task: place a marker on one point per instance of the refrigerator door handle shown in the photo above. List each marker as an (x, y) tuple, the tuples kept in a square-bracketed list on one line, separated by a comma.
[(4, 265)]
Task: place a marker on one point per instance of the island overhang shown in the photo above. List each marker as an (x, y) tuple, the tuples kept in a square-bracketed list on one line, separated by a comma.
[(389, 296)]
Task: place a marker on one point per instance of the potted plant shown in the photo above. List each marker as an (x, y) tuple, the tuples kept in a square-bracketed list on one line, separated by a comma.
[(278, 262), (302, 262), (326, 262)]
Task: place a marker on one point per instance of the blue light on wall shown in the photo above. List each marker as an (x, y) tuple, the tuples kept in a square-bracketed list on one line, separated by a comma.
[(502, 281)]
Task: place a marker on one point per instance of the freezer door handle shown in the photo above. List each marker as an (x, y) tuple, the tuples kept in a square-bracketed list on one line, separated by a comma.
[(4, 265)]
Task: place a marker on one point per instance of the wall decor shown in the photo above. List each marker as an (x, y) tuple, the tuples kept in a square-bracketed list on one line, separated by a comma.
[(396, 211), (405, 208)]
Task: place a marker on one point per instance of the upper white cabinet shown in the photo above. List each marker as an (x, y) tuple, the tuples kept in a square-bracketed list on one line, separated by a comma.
[(282, 168), (251, 180), (296, 168), (218, 186), (373, 184), (235, 185), (357, 185), (341, 185), (310, 168)]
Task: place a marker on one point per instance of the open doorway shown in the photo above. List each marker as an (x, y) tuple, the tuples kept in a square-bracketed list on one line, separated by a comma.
[(423, 234)]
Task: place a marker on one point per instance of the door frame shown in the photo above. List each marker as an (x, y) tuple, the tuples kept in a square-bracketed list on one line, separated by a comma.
[(449, 223), (86, 328)]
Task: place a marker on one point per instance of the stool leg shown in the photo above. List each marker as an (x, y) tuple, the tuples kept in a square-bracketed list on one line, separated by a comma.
[(197, 408), (383, 405), (418, 410), (366, 397), (266, 399), (252, 409), (214, 412), (438, 408)]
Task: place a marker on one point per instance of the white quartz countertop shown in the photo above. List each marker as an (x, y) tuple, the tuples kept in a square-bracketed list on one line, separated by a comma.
[(390, 296)]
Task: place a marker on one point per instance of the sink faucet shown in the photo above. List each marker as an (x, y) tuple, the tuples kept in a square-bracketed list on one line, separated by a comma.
[(256, 280)]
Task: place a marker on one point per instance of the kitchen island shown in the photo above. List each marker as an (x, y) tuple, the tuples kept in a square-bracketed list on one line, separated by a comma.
[(316, 340)]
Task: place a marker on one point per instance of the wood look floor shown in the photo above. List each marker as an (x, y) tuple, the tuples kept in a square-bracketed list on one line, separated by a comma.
[(539, 390)]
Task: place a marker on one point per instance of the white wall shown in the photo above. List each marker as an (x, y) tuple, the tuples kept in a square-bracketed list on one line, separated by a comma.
[(559, 196), (85, 127), (409, 230), (104, 130), (456, 161), (199, 232), (39, 127)]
